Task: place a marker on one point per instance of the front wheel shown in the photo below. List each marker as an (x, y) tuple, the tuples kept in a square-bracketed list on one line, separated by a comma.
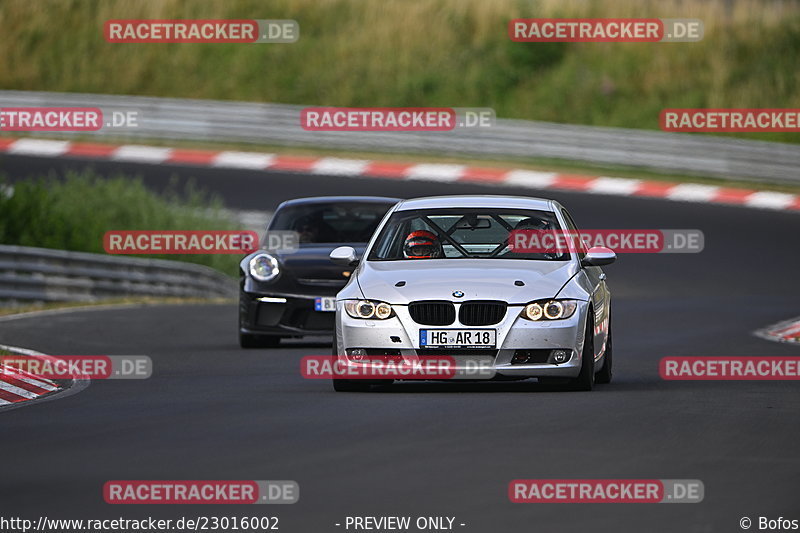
[(585, 380), (604, 376)]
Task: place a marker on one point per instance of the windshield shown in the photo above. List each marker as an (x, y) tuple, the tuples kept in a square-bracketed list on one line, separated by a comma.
[(460, 234), (331, 223)]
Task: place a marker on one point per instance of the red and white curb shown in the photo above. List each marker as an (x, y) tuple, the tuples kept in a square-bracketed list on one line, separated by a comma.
[(19, 386), (787, 331), (445, 173)]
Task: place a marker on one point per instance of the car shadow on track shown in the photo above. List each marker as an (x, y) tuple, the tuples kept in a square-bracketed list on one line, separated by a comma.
[(648, 384), (321, 345)]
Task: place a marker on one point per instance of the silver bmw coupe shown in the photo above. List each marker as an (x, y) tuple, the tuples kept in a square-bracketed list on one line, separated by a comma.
[(441, 277)]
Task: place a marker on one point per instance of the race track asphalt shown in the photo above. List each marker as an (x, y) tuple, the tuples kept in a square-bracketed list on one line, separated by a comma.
[(214, 411)]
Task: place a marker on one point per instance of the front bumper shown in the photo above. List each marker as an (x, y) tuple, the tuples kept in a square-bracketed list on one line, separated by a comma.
[(282, 314), (400, 334)]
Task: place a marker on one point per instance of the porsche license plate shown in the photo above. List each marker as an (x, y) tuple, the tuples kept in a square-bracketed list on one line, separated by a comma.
[(325, 304)]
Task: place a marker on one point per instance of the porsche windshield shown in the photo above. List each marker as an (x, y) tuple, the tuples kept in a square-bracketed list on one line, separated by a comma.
[(331, 223), (459, 234)]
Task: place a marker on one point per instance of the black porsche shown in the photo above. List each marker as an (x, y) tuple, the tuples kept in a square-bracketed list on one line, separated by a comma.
[(291, 292)]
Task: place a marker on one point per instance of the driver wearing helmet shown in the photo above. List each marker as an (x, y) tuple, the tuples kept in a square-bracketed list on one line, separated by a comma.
[(422, 244), (532, 223), (539, 225)]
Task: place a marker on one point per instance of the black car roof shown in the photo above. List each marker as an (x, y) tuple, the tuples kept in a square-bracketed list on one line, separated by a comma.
[(343, 199)]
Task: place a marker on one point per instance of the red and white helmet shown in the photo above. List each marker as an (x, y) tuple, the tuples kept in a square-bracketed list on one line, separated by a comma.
[(422, 244)]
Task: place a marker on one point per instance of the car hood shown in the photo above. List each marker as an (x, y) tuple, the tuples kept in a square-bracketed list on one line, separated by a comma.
[(478, 279), (313, 263)]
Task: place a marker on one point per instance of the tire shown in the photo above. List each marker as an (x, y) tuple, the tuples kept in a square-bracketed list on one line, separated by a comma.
[(346, 385), (605, 374), (585, 380), (247, 340)]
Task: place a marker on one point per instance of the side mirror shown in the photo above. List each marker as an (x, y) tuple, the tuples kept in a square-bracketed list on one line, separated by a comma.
[(344, 255), (599, 256)]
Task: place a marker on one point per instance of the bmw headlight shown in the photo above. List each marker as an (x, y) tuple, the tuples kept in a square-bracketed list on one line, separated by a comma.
[(549, 310), (368, 309), (264, 267)]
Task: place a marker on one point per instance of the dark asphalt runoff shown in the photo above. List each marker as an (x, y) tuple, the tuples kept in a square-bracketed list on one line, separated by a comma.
[(214, 411)]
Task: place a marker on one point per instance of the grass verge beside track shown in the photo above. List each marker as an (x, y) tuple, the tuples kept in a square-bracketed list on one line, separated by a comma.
[(453, 53), (75, 212)]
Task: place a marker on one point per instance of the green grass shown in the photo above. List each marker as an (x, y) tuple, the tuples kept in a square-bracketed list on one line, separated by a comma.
[(421, 53), (75, 212)]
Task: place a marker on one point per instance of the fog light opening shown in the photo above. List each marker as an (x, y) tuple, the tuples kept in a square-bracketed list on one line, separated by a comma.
[(520, 358), (559, 356), (356, 354)]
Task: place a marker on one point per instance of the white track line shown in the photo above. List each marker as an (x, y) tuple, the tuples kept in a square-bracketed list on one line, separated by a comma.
[(39, 147), (770, 200), (77, 384), (340, 167), (435, 172), (8, 387), (693, 192), (141, 154), (615, 186), (36, 382), (243, 160), (530, 178)]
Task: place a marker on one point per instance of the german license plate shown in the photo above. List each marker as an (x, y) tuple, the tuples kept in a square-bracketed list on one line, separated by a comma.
[(325, 304), (457, 338)]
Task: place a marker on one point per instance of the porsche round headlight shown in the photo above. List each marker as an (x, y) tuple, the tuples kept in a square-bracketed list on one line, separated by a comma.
[(264, 267), (553, 310), (533, 311)]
